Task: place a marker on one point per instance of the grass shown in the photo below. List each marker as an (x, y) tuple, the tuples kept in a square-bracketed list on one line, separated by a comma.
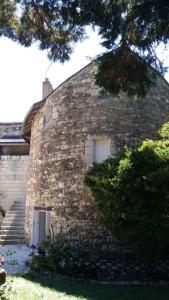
[(33, 287)]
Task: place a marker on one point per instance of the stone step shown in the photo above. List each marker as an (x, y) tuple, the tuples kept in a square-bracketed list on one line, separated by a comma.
[(13, 216), (12, 227), (12, 220), (17, 227), (20, 201), (20, 208), (17, 209), (16, 215), (12, 231), (13, 223), (10, 217), (12, 242), (11, 236), (18, 205)]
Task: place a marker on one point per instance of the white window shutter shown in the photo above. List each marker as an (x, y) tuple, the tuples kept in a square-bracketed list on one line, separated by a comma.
[(101, 149)]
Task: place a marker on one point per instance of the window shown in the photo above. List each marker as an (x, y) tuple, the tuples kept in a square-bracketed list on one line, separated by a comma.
[(101, 149)]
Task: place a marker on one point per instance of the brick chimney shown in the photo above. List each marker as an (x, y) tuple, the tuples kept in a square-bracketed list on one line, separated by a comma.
[(47, 88)]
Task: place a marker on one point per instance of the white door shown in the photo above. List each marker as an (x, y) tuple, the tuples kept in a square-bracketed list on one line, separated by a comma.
[(40, 226), (35, 228)]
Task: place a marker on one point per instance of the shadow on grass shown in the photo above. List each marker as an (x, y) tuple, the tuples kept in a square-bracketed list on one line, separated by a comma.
[(96, 291)]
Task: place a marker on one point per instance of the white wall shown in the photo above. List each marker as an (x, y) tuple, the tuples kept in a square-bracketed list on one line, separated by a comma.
[(13, 178)]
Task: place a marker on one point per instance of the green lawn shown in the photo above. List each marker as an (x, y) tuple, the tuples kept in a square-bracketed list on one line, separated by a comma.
[(33, 287)]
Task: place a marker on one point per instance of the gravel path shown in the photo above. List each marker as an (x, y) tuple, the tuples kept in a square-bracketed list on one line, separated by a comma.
[(15, 257)]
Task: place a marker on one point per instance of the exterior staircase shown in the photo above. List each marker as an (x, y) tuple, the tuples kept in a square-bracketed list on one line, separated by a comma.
[(12, 227)]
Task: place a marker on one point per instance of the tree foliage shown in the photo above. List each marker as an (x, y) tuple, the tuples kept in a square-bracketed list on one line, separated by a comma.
[(164, 131), (132, 193), (135, 25)]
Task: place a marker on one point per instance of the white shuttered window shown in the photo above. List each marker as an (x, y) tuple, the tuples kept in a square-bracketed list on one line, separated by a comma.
[(101, 149)]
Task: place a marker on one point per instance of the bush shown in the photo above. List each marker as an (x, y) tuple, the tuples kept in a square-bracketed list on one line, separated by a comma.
[(132, 194), (58, 256), (164, 131)]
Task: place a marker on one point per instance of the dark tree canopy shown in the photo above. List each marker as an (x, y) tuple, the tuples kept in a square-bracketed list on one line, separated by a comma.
[(137, 25)]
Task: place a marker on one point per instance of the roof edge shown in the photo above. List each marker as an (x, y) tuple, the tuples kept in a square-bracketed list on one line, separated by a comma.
[(37, 105), (11, 123)]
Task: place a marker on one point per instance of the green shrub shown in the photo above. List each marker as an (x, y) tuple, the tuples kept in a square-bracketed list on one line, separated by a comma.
[(58, 256), (2, 214), (132, 194), (164, 131)]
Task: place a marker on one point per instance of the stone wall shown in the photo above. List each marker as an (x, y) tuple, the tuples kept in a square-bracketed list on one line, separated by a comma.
[(13, 128), (13, 168), (13, 178), (62, 149)]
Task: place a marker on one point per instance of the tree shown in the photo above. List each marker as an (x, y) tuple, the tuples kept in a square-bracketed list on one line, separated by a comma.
[(132, 194), (125, 26)]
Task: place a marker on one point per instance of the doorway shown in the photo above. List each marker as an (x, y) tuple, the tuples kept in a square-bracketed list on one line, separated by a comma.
[(40, 226)]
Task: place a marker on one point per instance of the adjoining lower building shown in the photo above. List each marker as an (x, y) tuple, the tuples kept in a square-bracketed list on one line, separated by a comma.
[(14, 157)]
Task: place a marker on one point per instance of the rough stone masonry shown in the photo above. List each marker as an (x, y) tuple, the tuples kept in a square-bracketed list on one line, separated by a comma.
[(63, 129)]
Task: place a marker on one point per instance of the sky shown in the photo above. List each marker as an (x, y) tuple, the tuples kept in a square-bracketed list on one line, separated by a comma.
[(22, 71)]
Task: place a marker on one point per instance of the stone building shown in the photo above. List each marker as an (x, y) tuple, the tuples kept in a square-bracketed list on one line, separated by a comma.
[(14, 153), (67, 131)]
